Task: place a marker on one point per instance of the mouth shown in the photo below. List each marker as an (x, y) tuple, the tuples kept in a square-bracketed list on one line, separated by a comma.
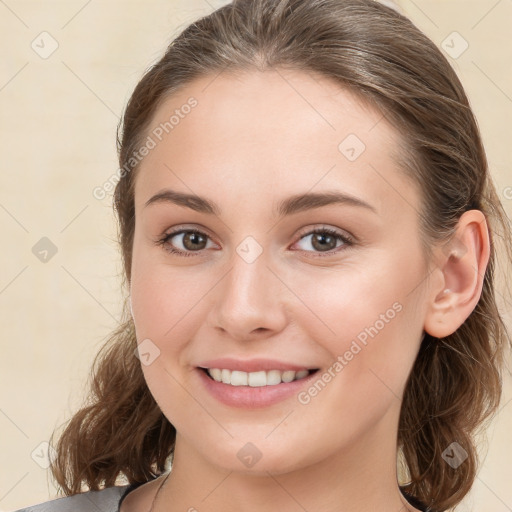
[(256, 379)]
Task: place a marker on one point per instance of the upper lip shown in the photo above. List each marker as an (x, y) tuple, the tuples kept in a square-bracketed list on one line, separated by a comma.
[(252, 365)]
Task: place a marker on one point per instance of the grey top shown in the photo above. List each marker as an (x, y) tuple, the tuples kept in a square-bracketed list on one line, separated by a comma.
[(104, 500), (109, 500)]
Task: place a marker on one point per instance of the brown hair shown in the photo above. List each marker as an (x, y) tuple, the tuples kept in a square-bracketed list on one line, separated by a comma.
[(380, 55)]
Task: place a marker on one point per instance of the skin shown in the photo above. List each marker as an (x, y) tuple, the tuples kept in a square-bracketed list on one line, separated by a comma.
[(253, 140)]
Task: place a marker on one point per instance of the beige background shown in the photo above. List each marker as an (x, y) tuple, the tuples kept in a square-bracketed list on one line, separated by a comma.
[(57, 133)]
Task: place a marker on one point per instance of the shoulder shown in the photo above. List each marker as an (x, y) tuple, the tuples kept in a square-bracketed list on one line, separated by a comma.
[(105, 500)]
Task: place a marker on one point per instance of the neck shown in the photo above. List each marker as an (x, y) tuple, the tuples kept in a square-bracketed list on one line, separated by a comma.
[(360, 478)]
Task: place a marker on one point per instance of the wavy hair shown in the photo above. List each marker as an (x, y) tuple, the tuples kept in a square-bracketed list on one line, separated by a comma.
[(381, 56)]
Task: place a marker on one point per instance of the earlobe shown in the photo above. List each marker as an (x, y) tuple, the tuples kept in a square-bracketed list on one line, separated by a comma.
[(462, 266)]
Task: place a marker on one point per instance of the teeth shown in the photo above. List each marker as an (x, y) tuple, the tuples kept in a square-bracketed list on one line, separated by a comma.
[(225, 376), (273, 377), (255, 379), (288, 376), (238, 378), (216, 374)]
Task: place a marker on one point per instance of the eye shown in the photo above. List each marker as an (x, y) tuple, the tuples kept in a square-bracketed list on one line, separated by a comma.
[(322, 240), (325, 240), (192, 240)]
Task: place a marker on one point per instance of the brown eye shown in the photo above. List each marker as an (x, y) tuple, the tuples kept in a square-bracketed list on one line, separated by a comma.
[(193, 241), (325, 240), (187, 241)]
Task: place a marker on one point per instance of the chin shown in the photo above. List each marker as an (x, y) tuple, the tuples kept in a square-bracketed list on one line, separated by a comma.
[(259, 458)]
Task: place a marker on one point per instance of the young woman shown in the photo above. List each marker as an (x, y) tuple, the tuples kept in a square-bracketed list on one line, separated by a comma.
[(309, 228)]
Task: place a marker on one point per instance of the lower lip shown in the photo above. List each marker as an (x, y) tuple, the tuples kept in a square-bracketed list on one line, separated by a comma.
[(247, 397)]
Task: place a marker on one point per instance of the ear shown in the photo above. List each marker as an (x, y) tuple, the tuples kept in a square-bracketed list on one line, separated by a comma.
[(460, 274)]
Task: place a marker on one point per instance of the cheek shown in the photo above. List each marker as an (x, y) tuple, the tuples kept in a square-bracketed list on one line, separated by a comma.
[(352, 301), (166, 304), (162, 294), (369, 321), (371, 361)]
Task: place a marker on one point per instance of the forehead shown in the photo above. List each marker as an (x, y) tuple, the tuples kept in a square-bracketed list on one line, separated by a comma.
[(266, 132)]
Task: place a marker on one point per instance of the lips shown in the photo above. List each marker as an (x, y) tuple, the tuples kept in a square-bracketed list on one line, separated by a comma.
[(252, 397), (253, 383)]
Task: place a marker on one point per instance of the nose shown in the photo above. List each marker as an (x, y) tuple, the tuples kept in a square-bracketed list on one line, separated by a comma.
[(250, 301)]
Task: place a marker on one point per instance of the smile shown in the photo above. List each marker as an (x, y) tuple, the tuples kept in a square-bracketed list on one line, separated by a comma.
[(255, 379)]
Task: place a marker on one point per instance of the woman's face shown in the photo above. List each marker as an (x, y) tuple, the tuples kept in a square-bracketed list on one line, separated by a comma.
[(255, 295)]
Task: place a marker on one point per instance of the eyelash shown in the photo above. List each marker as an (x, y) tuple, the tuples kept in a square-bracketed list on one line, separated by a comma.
[(347, 241)]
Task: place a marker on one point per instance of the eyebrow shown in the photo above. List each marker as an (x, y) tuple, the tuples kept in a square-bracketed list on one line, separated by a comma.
[(294, 204)]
